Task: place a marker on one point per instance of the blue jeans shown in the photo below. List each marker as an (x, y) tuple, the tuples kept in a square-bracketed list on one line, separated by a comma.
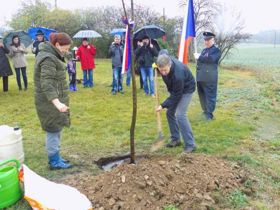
[(128, 77), (207, 93), (53, 143), (88, 78), (179, 122), (148, 79), (23, 72), (117, 79)]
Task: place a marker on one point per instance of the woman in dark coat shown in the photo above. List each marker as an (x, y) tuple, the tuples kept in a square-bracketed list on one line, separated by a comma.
[(5, 68), (51, 94)]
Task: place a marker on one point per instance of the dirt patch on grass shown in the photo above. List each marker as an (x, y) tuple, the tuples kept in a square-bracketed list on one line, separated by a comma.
[(188, 182)]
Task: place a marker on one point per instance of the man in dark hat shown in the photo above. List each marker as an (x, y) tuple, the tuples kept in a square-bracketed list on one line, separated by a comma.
[(145, 54), (39, 39), (207, 75)]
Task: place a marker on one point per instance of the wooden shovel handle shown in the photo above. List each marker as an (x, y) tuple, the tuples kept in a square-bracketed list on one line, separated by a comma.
[(159, 126)]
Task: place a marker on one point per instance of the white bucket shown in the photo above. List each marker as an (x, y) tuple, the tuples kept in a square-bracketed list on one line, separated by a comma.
[(11, 144)]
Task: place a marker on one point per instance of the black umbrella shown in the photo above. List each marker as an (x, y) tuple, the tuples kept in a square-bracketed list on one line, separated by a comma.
[(23, 36), (153, 31)]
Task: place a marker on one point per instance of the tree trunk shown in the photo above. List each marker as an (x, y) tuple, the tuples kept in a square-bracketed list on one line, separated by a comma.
[(134, 93)]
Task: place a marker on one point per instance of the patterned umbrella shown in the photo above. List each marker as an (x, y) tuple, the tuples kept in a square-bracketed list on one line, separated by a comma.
[(119, 31), (5, 29), (23, 36), (87, 34)]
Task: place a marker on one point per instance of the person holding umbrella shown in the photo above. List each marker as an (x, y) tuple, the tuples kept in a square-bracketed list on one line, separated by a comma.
[(85, 54), (17, 51), (5, 68), (181, 85), (39, 39), (145, 54), (51, 94)]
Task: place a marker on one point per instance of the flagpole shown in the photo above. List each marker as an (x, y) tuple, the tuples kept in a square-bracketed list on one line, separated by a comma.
[(195, 44), (188, 33), (181, 50)]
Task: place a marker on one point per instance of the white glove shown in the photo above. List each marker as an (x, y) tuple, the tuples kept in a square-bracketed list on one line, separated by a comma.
[(196, 55)]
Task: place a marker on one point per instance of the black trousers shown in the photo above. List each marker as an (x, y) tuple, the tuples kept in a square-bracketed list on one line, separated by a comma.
[(5, 83), (207, 93), (23, 72)]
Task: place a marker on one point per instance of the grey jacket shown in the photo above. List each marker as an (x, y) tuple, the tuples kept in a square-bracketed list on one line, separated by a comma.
[(17, 55), (116, 52)]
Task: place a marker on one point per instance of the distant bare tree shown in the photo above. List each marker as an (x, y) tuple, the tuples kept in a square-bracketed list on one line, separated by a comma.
[(229, 27), (205, 12), (145, 16), (102, 19), (226, 23)]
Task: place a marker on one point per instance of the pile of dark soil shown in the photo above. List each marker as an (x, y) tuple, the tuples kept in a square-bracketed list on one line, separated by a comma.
[(188, 182)]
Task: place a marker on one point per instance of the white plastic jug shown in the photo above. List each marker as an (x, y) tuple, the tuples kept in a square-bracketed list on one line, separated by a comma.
[(11, 143)]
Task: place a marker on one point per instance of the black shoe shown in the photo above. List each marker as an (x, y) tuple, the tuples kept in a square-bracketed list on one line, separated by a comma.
[(208, 116), (189, 150), (173, 144)]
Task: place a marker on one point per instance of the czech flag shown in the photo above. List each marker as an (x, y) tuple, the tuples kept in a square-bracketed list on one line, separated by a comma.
[(188, 33), (126, 54)]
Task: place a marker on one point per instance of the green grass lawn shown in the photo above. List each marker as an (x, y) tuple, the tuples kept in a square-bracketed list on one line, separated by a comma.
[(101, 123)]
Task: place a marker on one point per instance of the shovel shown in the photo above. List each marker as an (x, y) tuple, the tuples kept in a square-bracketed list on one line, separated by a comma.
[(160, 139)]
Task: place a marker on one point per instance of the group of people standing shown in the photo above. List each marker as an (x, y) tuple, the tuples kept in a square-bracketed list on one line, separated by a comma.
[(51, 88), (16, 50), (145, 54)]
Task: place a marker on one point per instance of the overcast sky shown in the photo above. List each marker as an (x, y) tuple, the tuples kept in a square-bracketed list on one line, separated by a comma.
[(258, 15)]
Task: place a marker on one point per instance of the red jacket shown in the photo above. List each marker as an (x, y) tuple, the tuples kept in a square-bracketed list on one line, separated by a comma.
[(86, 56)]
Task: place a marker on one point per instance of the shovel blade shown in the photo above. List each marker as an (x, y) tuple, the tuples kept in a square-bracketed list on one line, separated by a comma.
[(158, 143)]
